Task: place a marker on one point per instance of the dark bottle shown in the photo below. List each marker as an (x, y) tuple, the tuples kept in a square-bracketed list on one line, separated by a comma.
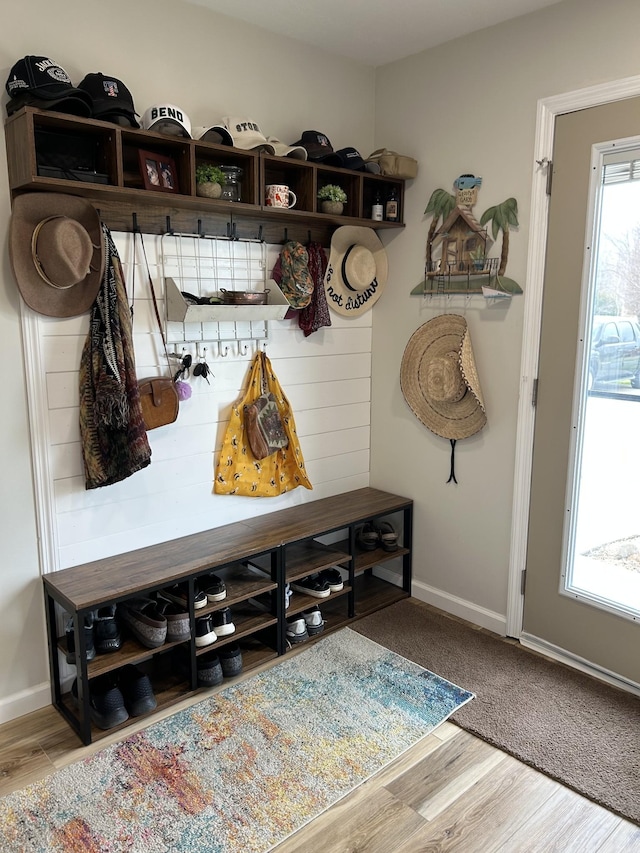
[(391, 206)]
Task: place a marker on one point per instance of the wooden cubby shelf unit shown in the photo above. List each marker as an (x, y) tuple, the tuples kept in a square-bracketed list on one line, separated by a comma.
[(256, 558)]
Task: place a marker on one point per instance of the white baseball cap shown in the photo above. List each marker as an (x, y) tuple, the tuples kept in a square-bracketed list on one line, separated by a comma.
[(167, 119), (246, 134), (284, 150), (213, 133)]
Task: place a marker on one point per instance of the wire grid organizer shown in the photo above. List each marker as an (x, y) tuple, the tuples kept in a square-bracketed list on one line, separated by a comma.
[(204, 265)]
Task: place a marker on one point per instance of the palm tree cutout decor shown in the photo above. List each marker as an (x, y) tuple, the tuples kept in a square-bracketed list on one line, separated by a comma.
[(458, 256)]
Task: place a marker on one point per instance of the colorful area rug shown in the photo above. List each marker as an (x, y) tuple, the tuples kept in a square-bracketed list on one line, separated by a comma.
[(243, 769)]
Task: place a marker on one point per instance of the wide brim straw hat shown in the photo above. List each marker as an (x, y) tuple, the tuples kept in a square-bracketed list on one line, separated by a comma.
[(357, 270), (439, 380), (57, 252)]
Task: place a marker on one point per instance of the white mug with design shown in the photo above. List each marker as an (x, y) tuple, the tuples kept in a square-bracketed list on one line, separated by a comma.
[(279, 195)]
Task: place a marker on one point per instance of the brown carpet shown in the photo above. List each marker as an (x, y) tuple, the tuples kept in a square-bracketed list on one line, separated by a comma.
[(566, 724)]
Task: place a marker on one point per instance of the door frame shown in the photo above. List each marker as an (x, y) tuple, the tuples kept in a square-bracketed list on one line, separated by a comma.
[(547, 111)]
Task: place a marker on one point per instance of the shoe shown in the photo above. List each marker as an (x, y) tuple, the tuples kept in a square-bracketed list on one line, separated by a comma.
[(209, 670), (106, 630), (296, 629), (288, 592), (312, 585), (179, 594), (367, 537), (147, 624), (334, 578), (223, 622), (313, 620), (230, 660), (205, 634), (106, 702), (178, 622), (88, 639), (388, 536), (136, 690), (215, 588)]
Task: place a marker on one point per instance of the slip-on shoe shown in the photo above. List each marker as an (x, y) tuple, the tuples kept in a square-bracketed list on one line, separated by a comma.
[(147, 624)]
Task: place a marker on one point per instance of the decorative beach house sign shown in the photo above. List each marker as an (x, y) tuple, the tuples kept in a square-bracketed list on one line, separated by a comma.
[(461, 257)]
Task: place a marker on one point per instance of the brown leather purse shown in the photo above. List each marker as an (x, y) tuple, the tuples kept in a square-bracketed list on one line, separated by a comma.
[(159, 401)]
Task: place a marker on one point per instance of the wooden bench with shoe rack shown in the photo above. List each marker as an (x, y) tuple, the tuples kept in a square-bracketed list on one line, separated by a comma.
[(258, 560)]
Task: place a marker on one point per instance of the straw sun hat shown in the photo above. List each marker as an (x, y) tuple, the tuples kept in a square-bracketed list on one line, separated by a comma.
[(56, 251), (439, 380), (357, 270)]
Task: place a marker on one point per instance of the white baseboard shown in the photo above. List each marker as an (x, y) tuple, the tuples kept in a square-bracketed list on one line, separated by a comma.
[(576, 662), (467, 610), (24, 702)]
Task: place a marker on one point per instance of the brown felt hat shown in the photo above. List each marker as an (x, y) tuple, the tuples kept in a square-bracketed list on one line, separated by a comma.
[(57, 252), (439, 380)]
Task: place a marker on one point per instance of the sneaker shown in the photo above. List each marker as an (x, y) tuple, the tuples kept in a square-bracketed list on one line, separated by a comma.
[(296, 629), (136, 690), (215, 588), (288, 592), (205, 634), (179, 594), (334, 578), (147, 624), (230, 660), (209, 670), (223, 622), (88, 639), (313, 620), (106, 630), (367, 537), (106, 702), (312, 585), (178, 622)]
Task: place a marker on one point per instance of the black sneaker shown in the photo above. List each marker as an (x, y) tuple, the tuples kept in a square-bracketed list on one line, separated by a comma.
[(313, 620), (106, 630), (296, 629), (205, 633), (137, 691), (209, 670), (223, 622), (179, 594), (106, 702), (88, 639), (333, 578), (230, 660), (313, 585), (215, 588), (368, 537)]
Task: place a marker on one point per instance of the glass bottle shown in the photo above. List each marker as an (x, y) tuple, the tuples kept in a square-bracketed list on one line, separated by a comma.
[(232, 189), (391, 206), (377, 210)]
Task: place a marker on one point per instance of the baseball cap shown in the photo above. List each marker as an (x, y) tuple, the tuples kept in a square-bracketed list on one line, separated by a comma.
[(246, 134), (213, 133), (316, 145), (283, 150), (40, 82), (167, 119), (110, 99), (350, 158)]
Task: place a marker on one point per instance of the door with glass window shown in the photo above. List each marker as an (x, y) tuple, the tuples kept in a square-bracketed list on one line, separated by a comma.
[(582, 591)]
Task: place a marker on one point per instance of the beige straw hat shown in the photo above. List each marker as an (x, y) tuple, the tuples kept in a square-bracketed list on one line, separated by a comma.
[(357, 270), (439, 380), (57, 253)]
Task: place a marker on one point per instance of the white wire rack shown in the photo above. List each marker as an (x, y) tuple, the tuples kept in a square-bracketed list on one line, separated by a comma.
[(205, 266)]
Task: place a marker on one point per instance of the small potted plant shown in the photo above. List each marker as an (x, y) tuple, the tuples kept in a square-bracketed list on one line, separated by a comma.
[(332, 199), (209, 180)]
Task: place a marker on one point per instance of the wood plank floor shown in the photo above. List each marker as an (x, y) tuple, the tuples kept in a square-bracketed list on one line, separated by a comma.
[(451, 792)]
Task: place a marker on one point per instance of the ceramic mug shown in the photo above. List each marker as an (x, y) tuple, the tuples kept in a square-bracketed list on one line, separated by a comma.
[(279, 195)]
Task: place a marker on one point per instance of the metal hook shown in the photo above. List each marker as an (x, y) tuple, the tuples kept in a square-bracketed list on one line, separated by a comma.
[(243, 349), (223, 354), (134, 217), (168, 227)]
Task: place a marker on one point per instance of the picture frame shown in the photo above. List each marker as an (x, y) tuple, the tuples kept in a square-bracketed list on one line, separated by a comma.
[(158, 172)]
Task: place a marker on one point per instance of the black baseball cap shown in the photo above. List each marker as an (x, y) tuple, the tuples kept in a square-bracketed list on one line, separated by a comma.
[(350, 158), (317, 146), (40, 82), (110, 99)]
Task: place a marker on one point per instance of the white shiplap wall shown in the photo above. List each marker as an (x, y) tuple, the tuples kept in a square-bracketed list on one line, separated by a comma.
[(326, 376)]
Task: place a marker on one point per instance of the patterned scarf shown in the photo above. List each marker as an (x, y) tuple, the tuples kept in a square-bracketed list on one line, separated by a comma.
[(112, 430), (316, 314)]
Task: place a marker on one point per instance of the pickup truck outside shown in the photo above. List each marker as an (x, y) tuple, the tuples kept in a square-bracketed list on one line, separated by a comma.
[(615, 350)]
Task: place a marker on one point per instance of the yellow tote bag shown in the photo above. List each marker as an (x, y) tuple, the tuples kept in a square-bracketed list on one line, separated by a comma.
[(238, 471)]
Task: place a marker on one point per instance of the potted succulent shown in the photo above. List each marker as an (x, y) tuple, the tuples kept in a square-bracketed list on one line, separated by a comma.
[(209, 180), (332, 199)]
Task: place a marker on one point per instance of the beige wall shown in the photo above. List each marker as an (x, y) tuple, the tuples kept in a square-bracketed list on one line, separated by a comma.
[(467, 106), (470, 106)]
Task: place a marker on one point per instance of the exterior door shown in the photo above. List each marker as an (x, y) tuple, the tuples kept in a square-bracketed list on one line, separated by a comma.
[(584, 628)]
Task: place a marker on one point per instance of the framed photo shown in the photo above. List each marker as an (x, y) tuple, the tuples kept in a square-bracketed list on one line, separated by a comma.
[(158, 172)]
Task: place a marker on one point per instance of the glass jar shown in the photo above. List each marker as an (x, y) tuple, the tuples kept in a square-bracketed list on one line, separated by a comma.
[(232, 189)]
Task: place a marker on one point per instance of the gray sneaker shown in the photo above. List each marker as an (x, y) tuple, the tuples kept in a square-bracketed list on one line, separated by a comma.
[(148, 625), (313, 620), (296, 629)]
